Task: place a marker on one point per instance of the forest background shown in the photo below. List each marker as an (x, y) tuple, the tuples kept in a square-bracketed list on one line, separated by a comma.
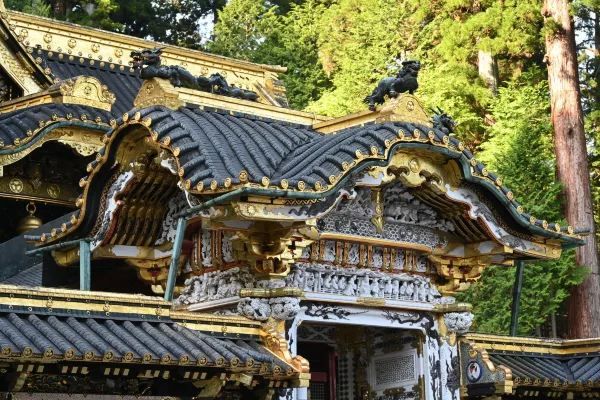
[(483, 63)]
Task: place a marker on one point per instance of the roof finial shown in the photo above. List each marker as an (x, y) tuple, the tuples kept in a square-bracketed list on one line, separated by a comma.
[(404, 81)]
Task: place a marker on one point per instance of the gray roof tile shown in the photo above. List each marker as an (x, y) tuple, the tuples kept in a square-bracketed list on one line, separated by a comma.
[(127, 340)]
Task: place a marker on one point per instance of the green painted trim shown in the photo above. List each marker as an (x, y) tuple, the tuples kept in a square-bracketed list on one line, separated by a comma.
[(85, 278), (176, 253), (49, 128)]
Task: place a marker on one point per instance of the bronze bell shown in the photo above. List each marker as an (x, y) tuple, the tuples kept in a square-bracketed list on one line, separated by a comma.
[(29, 222)]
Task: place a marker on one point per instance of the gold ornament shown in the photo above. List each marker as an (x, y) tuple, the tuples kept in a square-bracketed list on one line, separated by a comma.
[(30, 221)]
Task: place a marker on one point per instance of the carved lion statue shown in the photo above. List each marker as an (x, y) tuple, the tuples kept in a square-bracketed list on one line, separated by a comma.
[(404, 81)]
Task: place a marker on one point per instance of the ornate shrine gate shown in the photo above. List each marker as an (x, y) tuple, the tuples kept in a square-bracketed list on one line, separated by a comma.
[(363, 226)]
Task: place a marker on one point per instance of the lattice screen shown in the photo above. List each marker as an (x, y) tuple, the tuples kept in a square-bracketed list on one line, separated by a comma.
[(392, 370), (318, 390)]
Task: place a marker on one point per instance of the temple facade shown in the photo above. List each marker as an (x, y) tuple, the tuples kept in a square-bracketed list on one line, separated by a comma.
[(173, 230)]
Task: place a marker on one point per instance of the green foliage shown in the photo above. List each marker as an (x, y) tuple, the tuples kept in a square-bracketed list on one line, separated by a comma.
[(259, 32), (98, 18), (519, 148), (357, 44), (35, 7), (94, 13), (242, 27)]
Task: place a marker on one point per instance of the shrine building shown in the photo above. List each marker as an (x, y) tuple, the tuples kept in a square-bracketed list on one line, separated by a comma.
[(171, 229)]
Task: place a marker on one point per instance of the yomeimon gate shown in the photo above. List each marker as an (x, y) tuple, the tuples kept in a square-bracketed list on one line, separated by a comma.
[(172, 230)]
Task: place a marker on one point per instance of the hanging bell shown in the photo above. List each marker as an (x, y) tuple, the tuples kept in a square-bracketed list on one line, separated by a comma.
[(30, 221)]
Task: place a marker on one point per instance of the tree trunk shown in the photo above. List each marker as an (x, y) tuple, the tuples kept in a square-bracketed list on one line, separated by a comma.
[(488, 70), (572, 163)]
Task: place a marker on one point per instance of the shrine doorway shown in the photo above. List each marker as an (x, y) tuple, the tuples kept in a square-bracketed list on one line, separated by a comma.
[(349, 362)]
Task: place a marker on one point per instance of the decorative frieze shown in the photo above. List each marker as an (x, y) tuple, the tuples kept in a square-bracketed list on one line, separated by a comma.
[(361, 282)]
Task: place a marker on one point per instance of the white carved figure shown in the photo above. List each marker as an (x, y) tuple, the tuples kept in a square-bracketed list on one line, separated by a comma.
[(378, 258), (334, 284), (374, 287), (422, 264), (353, 255), (227, 248), (305, 253), (206, 249), (399, 260), (297, 279), (388, 288), (395, 288), (365, 288), (410, 290), (403, 289), (458, 322), (350, 289), (327, 283), (329, 253), (310, 281), (281, 308)]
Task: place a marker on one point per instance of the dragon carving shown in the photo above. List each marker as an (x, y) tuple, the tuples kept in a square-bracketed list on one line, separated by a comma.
[(443, 121), (404, 81), (148, 64)]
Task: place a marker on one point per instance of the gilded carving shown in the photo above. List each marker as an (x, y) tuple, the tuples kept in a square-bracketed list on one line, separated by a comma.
[(157, 91), (270, 250), (85, 90), (414, 169), (377, 218), (405, 107)]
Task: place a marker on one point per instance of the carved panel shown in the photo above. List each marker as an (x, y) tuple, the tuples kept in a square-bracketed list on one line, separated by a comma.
[(364, 283), (348, 254)]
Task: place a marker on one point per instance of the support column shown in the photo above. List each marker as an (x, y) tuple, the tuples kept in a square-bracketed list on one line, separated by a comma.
[(514, 312), (176, 253), (85, 279)]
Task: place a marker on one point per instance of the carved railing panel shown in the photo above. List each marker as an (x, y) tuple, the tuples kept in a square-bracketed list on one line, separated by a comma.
[(357, 255)]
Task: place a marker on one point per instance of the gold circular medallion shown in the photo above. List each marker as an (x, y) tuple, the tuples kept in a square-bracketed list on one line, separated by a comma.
[(15, 185)]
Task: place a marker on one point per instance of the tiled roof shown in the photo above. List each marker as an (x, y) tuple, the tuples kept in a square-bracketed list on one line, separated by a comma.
[(122, 81), (554, 368), (31, 277), (128, 340), (22, 126)]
